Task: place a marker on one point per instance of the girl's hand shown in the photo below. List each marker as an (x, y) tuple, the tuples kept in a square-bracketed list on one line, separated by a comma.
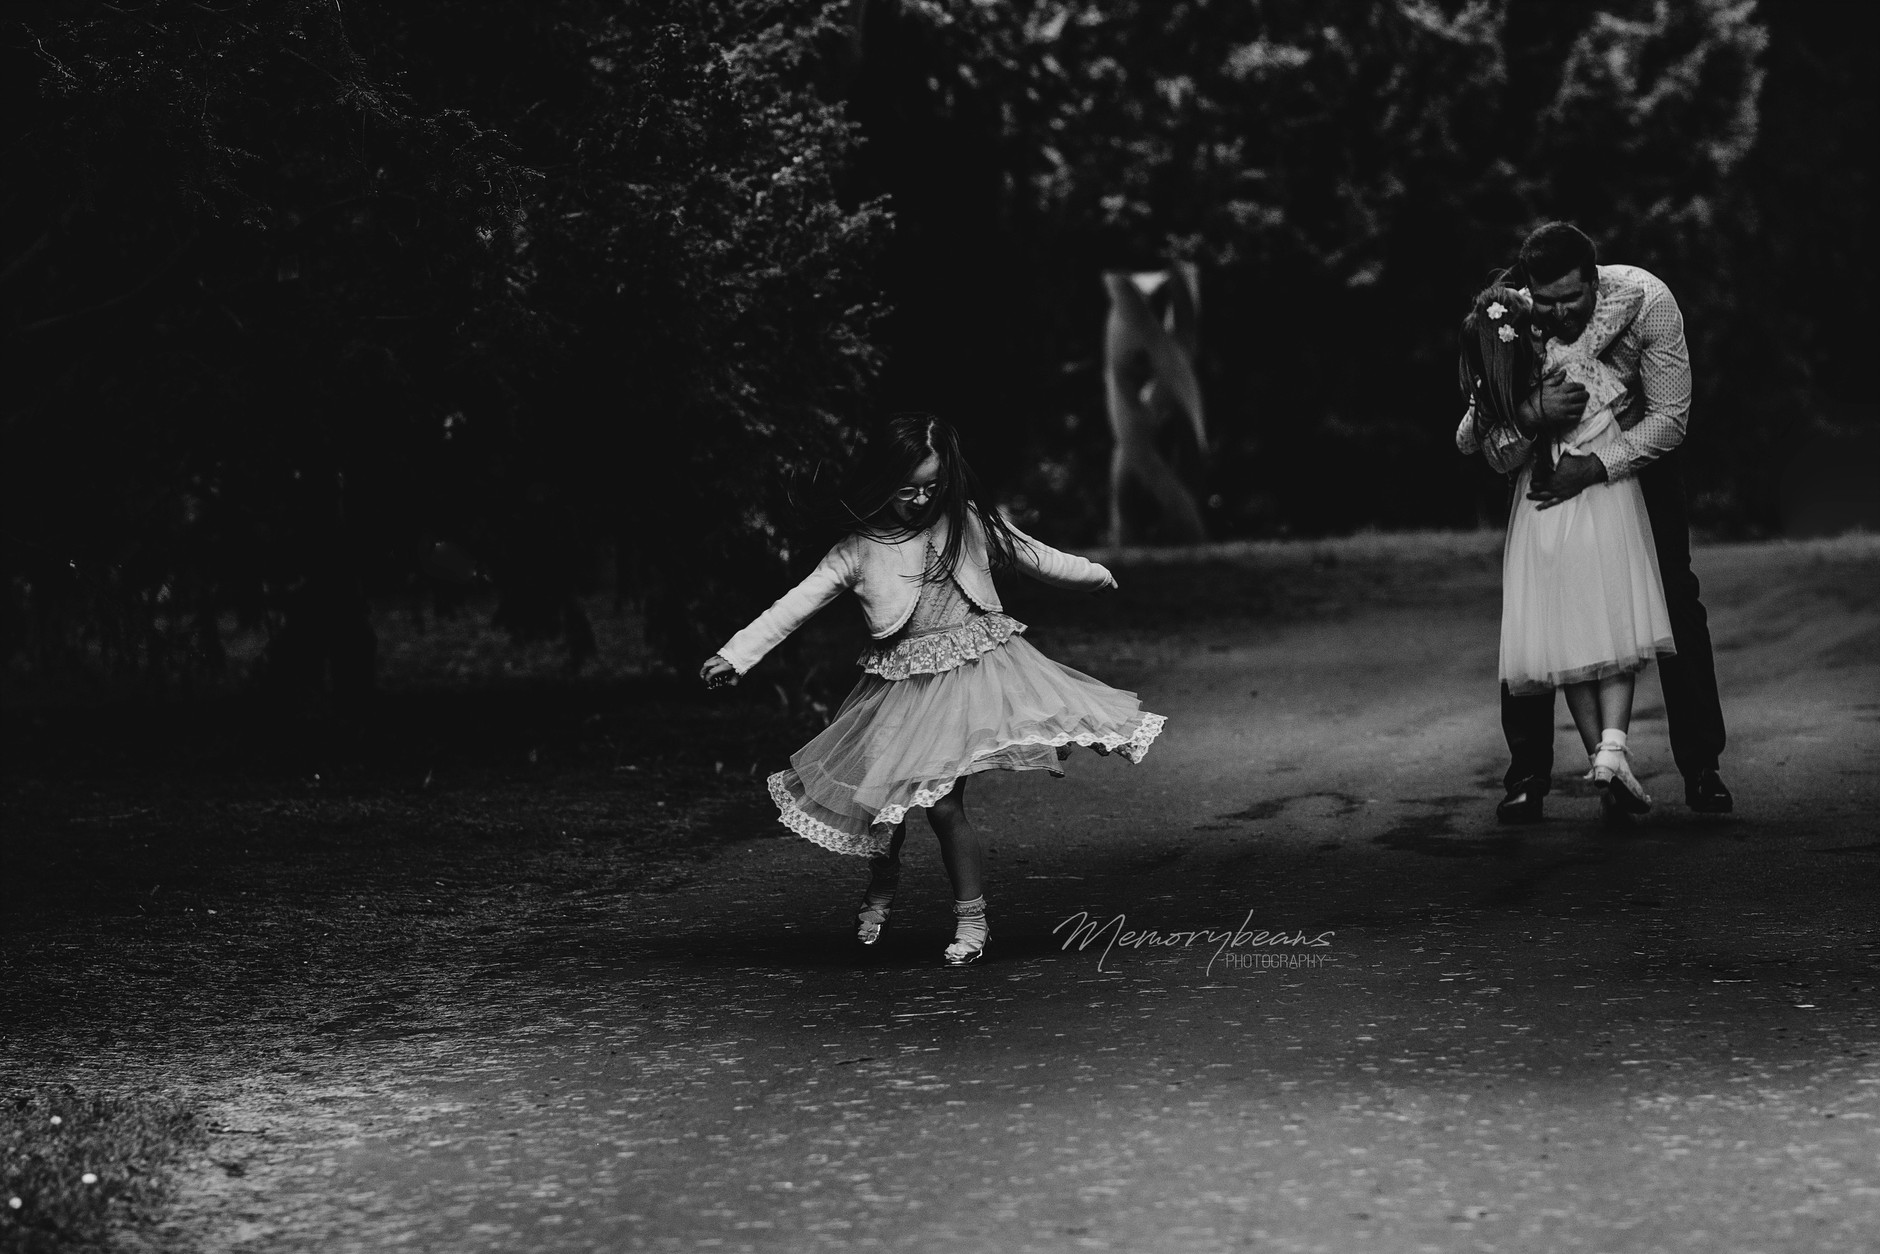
[(1109, 581), (717, 672)]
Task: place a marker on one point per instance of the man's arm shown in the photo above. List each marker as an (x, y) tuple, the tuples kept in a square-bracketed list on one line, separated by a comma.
[(1557, 404), (1664, 372)]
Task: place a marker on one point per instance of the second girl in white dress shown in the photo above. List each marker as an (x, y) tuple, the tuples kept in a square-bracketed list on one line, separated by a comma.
[(1583, 607)]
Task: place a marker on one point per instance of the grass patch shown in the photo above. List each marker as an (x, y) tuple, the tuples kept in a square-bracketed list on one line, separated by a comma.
[(76, 1167)]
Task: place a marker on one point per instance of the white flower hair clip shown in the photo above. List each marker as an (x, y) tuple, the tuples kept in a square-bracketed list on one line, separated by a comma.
[(1496, 310), (1507, 334)]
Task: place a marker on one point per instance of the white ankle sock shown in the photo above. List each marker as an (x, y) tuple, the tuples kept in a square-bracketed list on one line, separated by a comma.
[(969, 925), (1612, 736)]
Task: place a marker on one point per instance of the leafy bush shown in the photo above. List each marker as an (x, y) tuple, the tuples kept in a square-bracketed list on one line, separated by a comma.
[(1347, 173), (300, 296)]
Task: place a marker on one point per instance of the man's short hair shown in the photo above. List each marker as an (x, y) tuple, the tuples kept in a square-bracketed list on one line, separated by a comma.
[(1555, 250)]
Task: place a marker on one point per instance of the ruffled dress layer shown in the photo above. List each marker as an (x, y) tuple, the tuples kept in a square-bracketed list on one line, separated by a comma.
[(1582, 598), (957, 692)]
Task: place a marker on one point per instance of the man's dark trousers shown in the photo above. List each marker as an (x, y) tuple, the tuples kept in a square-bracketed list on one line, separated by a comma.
[(1689, 677)]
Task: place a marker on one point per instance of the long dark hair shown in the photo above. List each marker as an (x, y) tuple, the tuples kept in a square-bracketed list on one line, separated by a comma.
[(864, 502), (1497, 363)]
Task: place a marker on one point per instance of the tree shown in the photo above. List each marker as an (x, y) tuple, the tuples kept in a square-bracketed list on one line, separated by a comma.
[(297, 293), (1345, 172)]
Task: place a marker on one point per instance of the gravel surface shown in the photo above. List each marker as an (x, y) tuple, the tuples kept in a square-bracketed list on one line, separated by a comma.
[(530, 1007)]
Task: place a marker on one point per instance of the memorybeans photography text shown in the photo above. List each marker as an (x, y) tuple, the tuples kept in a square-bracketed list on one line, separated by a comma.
[(1084, 930)]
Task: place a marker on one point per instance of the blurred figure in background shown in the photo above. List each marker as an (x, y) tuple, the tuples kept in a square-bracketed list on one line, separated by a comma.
[(1149, 379)]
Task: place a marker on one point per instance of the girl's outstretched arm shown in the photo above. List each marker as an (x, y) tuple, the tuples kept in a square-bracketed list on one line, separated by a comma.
[(835, 573), (1063, 570)]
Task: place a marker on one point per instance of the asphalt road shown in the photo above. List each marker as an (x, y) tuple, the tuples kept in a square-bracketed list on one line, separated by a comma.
[(1549, 1039)]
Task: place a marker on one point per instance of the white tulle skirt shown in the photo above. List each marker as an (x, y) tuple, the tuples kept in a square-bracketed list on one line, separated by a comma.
[(1581, 595), (901, 743)]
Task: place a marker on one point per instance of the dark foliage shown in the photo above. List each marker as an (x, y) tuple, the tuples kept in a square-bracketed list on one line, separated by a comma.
[(285, 327), (302, 303), (1347, 174)]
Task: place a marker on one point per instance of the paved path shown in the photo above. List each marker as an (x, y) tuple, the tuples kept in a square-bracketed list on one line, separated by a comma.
[(1547, 1039)]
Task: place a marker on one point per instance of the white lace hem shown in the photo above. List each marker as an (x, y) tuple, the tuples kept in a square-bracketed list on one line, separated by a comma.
[(1133, 747), (815, 829)]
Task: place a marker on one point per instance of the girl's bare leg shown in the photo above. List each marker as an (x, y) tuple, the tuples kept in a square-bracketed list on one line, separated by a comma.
[(960, 846), (1583, 703), (1602, 711), (884, 876), (965, 858), (1599, 705), (893, 856), (1615, 702)]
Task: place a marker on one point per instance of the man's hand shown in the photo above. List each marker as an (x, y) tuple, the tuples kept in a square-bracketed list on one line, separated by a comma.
[(717, 672), (1557, 405), (1572, 476)]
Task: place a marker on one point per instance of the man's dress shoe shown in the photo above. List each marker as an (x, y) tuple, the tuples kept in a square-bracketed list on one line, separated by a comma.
[(1705, 793), (1522, 804)]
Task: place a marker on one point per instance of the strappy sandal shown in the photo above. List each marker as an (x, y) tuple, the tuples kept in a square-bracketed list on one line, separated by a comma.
[(873, 916), (1612, 775), (970, 933)]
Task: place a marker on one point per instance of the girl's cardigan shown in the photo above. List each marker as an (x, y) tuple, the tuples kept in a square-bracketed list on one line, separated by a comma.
[(885, 573)]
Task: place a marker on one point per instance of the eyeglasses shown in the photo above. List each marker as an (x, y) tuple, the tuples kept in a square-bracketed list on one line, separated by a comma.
[(916, 492)]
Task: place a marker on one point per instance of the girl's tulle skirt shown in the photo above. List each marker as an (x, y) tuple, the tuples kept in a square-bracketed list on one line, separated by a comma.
[(897, 744), (1581, 594)]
